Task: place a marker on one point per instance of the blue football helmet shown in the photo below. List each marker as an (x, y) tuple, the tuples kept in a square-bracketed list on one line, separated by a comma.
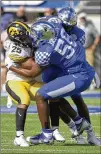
[(68, 16), (42, 30)]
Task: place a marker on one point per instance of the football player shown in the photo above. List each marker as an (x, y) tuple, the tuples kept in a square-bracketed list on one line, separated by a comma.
[(21, 89), (18, 47), (68, 18), (77, 34), (63, 52), (77, 97)]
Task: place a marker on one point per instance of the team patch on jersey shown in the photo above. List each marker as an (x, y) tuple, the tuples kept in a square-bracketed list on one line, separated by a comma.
[(16, 58)]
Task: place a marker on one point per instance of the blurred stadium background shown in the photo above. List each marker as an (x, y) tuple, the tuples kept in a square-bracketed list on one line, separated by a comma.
[(28, 11)]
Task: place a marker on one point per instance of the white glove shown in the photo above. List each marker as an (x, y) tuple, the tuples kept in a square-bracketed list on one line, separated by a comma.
[(97, 80)]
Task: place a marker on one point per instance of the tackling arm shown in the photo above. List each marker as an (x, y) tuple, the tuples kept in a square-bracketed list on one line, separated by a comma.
[(29, 68)]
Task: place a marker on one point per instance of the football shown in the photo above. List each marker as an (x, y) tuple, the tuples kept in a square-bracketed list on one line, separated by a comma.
[(16, 58)]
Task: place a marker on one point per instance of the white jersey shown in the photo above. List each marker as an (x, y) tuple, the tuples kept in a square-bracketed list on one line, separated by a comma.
[(16, 54)]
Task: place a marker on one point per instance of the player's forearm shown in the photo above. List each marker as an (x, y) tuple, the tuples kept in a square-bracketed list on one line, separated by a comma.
[(25, 72), (28, 68), (21, 71)]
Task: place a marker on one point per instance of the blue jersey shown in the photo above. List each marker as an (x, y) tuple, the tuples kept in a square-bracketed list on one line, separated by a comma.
[(77, 35), (69, 71), (64, 52)]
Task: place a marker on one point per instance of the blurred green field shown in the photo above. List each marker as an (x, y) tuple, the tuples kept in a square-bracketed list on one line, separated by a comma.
[(33, 127)]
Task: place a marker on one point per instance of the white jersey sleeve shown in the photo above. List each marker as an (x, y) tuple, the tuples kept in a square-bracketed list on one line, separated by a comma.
[(16, 52)]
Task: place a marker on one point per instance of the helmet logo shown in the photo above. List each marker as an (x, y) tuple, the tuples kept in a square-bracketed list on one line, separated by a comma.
[(13, 31)]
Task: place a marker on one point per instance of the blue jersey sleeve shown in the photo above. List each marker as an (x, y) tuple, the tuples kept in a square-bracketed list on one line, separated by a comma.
[(78, 34)]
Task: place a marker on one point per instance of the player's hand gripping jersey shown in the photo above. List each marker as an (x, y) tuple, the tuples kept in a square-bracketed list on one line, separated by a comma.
[(16, 54)]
